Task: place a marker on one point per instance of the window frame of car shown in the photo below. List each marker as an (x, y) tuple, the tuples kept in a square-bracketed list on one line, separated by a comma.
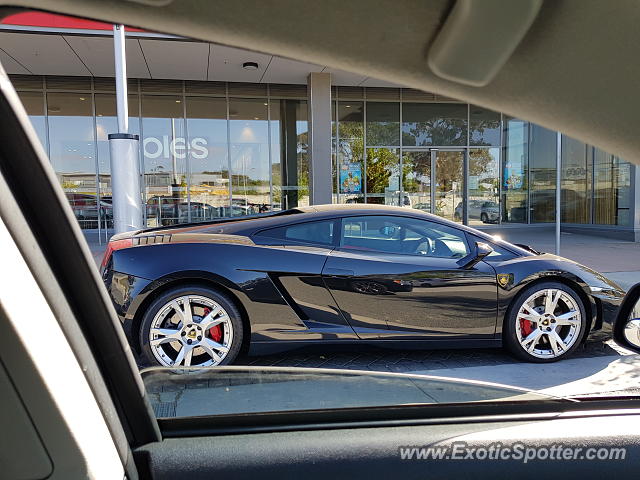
[(341, 247), (261, 237)]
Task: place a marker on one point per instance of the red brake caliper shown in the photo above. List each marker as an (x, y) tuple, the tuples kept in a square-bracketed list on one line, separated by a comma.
[(215, 332), (526, 327)]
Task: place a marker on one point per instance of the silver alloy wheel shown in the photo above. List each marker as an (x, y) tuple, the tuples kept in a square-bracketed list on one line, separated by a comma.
[(554, 323), (181, 332)]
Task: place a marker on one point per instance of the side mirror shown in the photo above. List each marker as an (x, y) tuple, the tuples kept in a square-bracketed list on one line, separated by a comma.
[(481, 251), (626, 330)]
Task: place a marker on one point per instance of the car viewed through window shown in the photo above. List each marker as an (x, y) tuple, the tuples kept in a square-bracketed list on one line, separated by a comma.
[(403, 235), (421, 241)]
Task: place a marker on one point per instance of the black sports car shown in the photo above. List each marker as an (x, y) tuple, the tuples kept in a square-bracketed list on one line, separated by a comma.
[(336, 274)]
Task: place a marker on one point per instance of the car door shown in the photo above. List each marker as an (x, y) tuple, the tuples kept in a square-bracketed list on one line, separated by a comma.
[(398, 277)]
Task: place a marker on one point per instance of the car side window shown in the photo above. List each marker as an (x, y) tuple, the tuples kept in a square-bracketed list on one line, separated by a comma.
[(402, 235), (312, 233)]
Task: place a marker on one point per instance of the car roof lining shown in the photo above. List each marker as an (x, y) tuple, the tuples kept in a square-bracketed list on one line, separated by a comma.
[(573, 70)]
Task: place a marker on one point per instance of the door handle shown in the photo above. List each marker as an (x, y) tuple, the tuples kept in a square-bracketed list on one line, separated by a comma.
[(338, 272)]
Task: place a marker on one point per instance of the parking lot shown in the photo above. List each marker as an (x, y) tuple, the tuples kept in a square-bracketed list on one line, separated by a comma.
[(597, 367)]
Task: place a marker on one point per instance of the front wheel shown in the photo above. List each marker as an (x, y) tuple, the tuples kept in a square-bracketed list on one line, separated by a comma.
[(191, 326), (545, 323)]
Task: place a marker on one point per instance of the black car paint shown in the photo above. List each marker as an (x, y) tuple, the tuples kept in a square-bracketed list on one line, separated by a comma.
[(297, 294)]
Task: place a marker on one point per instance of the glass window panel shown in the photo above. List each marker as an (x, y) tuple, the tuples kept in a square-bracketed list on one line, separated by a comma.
[(514, 173), (383, 124), (449, 184), (106, 123), (436, 124), (350, 151), (483, 186), (416, 179), (542, 164), (208, 157), (33, 103), (402, 236), (576, 187), (612, 192), (484, 126), (309, 232), (72, 152), (164, 149), (383, 176), (250, 170)]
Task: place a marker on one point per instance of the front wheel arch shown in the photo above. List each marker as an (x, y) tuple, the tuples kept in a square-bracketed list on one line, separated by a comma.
[(587, 302), (179, 282)]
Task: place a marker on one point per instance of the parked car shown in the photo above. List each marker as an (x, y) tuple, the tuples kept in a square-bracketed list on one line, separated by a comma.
[(486, 211), (198, 296)]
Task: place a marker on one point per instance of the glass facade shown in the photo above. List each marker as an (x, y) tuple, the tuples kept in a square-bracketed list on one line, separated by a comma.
[(207, 149), (221, 149)]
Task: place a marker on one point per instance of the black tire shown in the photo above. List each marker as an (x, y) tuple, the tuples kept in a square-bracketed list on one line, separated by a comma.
[(484, 218), (510, 335), (221, 299)]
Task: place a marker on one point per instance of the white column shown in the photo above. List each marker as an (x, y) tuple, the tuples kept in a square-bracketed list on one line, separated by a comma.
[(125, 170), (320, 182)]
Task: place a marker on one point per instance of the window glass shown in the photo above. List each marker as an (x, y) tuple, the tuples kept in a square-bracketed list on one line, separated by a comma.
[(416, 179), (250, 167), (383, 124), (383, 176), (484, 127), (72, 152), (164, 148), (612, 187), (576, 181), (483, 186), (437, 124), (309, 232), (33, 103), (514, 171), (400, 235), (350, 151), (289, 154), (542, 171), (209, 164)]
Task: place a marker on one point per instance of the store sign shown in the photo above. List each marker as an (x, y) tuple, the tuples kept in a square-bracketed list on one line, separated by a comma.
[(155, 147)]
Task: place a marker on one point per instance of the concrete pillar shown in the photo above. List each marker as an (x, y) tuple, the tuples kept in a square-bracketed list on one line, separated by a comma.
[(320, 184)]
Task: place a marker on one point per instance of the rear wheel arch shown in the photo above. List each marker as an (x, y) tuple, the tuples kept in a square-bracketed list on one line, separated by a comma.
[(199, 281)]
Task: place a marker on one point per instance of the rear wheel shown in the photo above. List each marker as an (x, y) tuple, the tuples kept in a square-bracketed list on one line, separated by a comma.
[(191, 326), (484, 218), (545, 323)]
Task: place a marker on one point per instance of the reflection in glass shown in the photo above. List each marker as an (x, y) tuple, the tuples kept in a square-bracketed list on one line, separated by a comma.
[(290, 158), (350, 152), (72, 152), (250, 169), (383, 124), (449, 184), (514, 171), (542, 171), (484, 127), (383, 176), (611, 185), (483, 186), (416, 179), (33, 103), (209, 165), (576, 181), (164, 148), (434, 124)]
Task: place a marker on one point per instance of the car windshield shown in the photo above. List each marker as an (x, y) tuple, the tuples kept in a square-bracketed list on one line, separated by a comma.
[(262, 217)]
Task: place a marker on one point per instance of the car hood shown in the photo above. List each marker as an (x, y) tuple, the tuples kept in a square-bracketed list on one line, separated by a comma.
[(189, 392)]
